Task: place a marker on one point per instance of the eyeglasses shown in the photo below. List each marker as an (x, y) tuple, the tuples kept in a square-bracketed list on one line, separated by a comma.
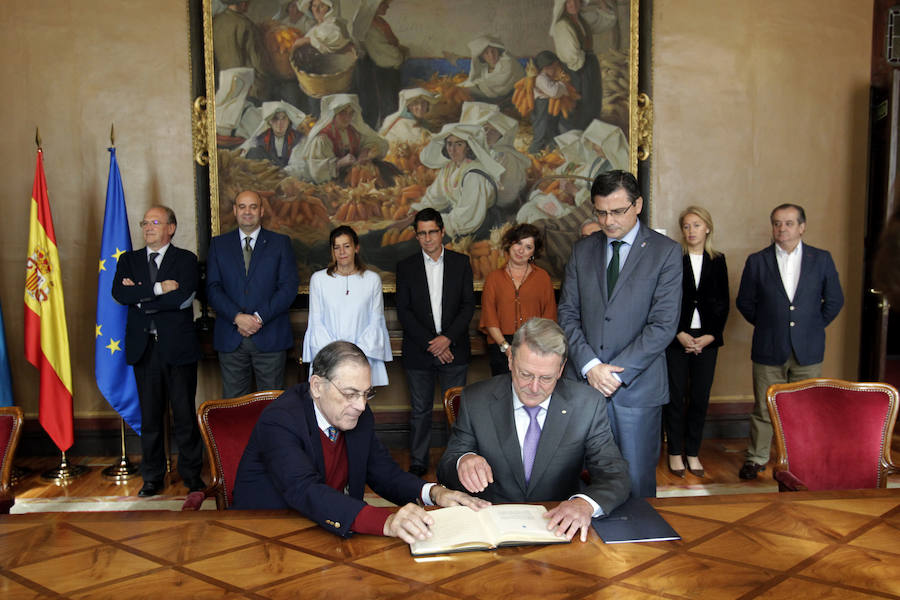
[(153, 222), (616, 212), (365, 395), (429, 233), (527, 378)]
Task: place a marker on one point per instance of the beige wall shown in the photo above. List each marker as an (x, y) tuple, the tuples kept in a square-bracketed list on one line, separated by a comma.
[(756, 103), (759, 103), (72, 68)]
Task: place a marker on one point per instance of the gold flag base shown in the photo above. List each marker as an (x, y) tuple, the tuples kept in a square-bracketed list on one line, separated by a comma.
[(64, 473), (121, 471), (17, 474)]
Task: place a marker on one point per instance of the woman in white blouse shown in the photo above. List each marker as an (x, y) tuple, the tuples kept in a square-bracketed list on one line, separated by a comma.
[(346, 303)]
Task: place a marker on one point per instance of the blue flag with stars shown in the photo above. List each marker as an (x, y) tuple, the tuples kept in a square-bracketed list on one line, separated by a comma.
[(6, 392), (115, 377)]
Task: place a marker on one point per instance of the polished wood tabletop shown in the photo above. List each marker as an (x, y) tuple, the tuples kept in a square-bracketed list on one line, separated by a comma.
[(791, 545)]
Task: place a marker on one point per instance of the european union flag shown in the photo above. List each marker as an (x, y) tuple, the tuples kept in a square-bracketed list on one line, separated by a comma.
[(6, 393), (115, 377)]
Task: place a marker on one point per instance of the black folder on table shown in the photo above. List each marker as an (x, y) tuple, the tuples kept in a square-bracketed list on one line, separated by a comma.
[(634, 521)]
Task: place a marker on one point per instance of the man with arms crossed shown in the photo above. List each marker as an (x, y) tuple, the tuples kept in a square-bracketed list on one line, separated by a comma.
[(789, 292), (157, 284), (526, 436), (314, 450), (435, 303), (251, 282), (619, 307)]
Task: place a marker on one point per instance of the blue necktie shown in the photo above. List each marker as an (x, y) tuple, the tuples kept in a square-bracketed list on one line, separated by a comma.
[(532, 437), (332, 433)]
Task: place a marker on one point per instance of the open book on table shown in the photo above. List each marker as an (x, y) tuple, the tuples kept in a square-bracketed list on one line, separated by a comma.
[(460, 529)]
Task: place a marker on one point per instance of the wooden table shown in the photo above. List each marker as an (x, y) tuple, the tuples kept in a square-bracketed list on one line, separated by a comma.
[(803, 545)]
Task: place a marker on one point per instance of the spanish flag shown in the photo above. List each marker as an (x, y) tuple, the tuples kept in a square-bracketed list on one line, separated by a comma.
[(46, 338)]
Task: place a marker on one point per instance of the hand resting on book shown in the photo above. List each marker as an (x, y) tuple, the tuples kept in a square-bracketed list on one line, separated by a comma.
[(412, 522), (570, 516)]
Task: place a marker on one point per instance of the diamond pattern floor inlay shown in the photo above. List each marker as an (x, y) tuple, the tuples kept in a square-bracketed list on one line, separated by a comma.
[(816, 545)]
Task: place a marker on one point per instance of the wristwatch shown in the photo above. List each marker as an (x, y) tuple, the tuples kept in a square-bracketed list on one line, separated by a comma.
[(504, 347)]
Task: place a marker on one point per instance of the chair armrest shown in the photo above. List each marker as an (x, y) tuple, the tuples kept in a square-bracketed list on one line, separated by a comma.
[(788, 482), (193, 501)]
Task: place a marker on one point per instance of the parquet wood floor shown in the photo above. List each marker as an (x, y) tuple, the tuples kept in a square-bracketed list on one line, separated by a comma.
[(839, 545)]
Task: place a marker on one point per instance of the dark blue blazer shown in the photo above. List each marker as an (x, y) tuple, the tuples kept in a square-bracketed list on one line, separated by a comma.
[(283, 466), (779, 325), (177, 343), (268, 289), (414, 309)]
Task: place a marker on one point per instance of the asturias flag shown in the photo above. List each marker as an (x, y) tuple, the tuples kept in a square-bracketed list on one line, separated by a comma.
[(46, 338), (6, 393), (115, 377)]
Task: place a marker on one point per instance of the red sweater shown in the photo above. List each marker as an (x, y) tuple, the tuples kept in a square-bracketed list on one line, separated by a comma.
[(370, 519)]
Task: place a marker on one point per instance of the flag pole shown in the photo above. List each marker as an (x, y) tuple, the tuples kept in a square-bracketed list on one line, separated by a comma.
[(125, 469)]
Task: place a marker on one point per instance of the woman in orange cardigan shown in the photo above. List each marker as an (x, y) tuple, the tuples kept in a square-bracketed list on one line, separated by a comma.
[(518, 291)]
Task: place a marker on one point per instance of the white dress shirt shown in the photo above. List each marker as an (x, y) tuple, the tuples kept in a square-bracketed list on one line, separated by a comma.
[(434, 276), (789, 268), (696, 267)]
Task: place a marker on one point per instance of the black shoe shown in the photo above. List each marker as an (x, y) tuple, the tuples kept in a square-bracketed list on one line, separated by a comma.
[(195, 484), (150, 488), (750, 470), (418, 470)]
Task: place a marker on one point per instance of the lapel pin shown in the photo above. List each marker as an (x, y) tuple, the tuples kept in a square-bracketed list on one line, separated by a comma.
[(563, 411), (643, 244)]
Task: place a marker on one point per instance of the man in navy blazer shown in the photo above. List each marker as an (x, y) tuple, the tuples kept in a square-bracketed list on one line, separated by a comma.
[(435, 303), (789, 292), (251, 282), (619, 307), (314, 450), (157, 284)]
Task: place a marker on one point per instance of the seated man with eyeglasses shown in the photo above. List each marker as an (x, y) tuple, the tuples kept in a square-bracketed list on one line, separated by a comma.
[(314, 450), (526, 436)]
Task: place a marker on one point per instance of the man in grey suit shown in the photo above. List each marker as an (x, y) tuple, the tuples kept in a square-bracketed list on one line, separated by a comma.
[(619, 307), (526, 436)]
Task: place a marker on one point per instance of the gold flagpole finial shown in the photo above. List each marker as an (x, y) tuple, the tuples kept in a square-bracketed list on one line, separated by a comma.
[(112, 135), (37, 137)]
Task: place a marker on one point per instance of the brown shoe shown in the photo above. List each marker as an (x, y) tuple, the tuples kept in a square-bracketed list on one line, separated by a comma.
[(750, 470)]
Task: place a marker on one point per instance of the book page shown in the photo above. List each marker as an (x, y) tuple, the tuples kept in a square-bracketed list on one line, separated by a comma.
[(521, 523), (454, 527)]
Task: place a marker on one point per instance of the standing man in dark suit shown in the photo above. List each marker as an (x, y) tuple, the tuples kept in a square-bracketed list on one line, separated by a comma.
[(157, 284), (619, 308), (435, 303), (251, 282), (526, 436), (789, 292), (314, 450)]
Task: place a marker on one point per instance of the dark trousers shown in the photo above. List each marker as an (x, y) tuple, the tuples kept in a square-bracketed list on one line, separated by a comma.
[(421, 398), (498, 360), (588, 83), (636, 430), (690, 379), (246, 363), (158, 382)]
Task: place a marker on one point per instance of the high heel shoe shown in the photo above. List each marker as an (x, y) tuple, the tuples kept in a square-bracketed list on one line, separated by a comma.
[(696, 472), (676, 472)]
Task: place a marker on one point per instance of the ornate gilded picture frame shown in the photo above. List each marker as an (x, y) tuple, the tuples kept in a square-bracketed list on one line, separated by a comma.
[(546, 92)]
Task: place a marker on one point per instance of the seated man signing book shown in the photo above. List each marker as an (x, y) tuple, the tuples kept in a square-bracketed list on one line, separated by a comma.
[(526, 436), (314, 450)]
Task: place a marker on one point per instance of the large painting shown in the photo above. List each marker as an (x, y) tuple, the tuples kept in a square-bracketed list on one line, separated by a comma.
[(361, 112)]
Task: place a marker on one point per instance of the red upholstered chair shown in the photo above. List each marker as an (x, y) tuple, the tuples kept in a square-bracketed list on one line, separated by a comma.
[(10, 429), (832, 434), (226, 426), (452, 398)]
